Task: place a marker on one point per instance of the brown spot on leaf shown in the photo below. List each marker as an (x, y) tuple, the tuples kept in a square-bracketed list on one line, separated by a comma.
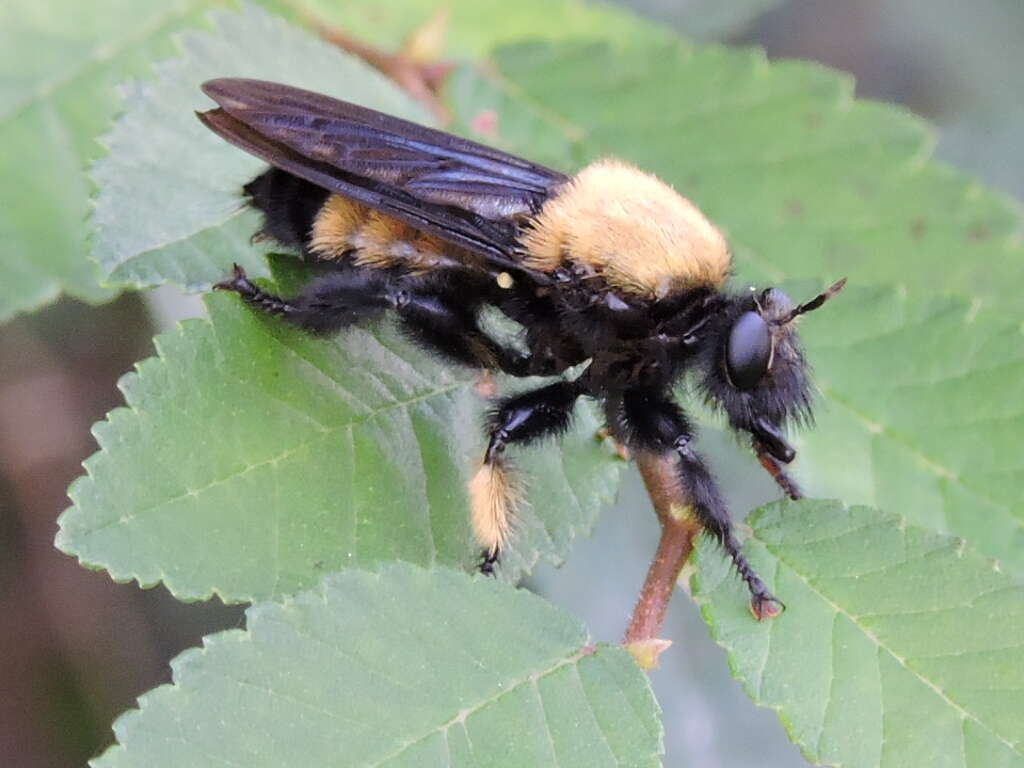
[(485, 122), (794, 208), (918, 228), (979, 233), (812, 119)]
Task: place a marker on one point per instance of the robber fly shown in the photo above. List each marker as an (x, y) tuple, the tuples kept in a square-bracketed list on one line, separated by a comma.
[(610, 265)]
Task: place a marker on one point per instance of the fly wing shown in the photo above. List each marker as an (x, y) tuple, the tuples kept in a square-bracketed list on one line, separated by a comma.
[(463, 192)]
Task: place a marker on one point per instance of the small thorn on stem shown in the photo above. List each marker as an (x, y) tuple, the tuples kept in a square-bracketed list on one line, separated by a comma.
[(647, 652)]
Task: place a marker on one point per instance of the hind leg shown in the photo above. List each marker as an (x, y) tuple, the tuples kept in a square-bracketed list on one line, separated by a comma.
[(326, 304), (434, 318)]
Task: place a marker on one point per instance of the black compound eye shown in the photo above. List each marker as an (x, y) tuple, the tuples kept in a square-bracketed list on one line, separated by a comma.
[(748, 351)]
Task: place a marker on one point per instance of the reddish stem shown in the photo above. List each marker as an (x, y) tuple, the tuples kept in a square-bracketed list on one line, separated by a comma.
[(678, 531)]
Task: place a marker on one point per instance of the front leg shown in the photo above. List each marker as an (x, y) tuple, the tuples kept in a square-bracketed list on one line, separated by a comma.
[(647, 420), (774, 468)]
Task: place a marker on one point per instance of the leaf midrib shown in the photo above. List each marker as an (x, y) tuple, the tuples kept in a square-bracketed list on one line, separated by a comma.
[(464, 714)]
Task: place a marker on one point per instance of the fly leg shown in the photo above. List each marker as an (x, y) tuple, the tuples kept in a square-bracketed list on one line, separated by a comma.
[(493, 490), (432, 314)]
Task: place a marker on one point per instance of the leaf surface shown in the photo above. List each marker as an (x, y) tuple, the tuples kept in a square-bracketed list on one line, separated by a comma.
[(62, 60), (468, 28), (899, 647), (922, 410), (403, 667), (706, 19)]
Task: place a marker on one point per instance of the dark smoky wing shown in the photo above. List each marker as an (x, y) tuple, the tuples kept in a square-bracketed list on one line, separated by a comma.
[(370, 143), (457, 189), (492, 240)]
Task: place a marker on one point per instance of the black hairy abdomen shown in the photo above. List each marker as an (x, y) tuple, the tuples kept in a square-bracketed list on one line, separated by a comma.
[(288, 204)]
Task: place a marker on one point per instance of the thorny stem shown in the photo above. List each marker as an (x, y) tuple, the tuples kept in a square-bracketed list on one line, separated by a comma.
[(678, 531)]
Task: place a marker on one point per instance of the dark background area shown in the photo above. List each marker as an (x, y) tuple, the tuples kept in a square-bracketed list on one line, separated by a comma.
[(77, 649)]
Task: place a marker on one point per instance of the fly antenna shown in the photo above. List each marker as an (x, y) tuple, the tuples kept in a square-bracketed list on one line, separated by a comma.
[(813, 304)]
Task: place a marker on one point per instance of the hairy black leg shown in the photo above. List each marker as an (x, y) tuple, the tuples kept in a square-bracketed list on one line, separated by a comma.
[(531, 416), (516, 420), (447, 324), (327, 303), (649, 421), (432, 315)]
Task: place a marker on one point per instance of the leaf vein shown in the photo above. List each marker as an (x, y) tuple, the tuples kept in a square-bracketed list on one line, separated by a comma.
[(963, 712), (464, 714)]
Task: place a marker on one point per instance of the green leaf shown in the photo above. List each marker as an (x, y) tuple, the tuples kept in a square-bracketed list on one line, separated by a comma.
[(706, 19), (474, 27), (899, 647), (253, 458), (401, 668), (61, 60), (169, 204), (923, 408)]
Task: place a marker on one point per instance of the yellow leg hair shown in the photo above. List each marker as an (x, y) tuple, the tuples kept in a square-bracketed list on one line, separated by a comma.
[(494, 495)]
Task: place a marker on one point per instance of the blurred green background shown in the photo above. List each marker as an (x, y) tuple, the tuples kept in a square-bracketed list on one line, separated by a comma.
[(77, 649)]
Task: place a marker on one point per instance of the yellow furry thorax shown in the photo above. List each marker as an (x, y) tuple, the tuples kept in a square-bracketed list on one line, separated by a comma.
[(630, 228)]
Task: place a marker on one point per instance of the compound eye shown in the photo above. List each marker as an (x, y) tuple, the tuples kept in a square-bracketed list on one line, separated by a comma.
[(748, 351)]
